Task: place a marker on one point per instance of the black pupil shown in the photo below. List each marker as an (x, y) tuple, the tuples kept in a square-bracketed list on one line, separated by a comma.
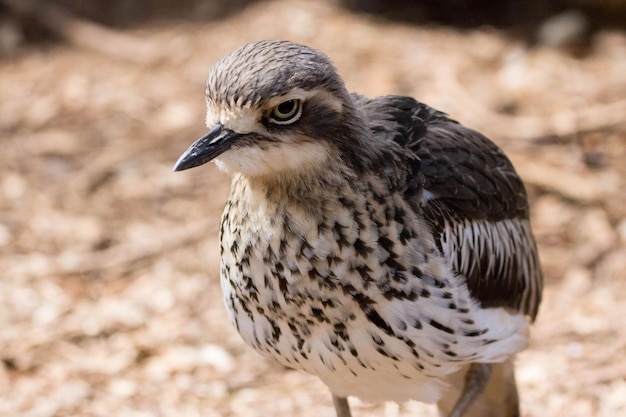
[(286, 107)]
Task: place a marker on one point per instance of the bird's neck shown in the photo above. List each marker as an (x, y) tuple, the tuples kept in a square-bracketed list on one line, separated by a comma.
[(307, 190)]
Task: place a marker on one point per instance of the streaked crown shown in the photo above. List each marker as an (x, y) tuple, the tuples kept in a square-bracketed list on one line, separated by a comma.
[(259, 71)]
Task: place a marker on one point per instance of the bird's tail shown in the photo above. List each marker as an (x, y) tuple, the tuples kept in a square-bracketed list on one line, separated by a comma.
[(498, 398)]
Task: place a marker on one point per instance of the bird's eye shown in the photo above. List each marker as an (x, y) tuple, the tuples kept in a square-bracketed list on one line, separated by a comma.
[(286, 112)]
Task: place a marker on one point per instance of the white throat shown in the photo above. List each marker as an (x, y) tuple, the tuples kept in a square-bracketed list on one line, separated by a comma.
[(272, 158)]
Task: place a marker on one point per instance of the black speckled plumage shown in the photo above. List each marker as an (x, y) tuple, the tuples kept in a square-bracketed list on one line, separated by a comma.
[(470, 180), (375, 243)]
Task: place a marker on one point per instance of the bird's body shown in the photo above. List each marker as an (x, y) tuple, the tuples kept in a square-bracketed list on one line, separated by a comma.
[(374, 243)]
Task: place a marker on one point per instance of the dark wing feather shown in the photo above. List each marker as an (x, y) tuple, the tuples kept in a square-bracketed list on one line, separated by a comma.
[(472, 197)]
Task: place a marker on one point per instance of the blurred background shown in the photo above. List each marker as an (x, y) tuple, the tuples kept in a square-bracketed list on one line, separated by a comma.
[(109, 291)]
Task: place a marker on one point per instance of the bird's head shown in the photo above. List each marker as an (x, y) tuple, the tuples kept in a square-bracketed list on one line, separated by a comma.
[(272, 106)]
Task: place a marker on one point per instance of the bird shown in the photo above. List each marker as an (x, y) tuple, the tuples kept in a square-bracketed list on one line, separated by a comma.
[(375, 243)]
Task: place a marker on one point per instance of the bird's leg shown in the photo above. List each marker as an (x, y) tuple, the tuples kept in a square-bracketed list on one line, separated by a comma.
[(475, 381), (341, 406)]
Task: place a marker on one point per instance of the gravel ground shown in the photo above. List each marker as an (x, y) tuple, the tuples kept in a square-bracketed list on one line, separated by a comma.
[(109, 297)]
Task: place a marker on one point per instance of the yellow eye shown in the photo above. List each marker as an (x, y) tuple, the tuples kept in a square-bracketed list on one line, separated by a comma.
[(286, 112)]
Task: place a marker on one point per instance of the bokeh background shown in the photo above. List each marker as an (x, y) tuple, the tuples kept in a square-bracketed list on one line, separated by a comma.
[(109, 291)]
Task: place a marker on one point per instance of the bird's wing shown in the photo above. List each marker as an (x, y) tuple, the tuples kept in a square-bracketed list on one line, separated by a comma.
[(473, 199)]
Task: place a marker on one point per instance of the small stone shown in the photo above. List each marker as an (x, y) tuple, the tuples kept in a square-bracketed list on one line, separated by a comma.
[(218, 358), (122, 388), (566, 29)]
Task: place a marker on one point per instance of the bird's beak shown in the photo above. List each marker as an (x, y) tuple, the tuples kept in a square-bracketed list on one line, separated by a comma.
[(208, 147)]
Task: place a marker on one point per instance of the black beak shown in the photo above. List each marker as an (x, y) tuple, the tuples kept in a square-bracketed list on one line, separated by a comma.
[(209, 146)]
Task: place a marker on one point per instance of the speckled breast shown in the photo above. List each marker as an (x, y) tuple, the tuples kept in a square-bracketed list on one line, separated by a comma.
[(347, 289)]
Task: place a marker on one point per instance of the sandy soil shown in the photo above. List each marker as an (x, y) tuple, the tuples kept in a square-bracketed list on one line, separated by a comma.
[(109, 295)]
